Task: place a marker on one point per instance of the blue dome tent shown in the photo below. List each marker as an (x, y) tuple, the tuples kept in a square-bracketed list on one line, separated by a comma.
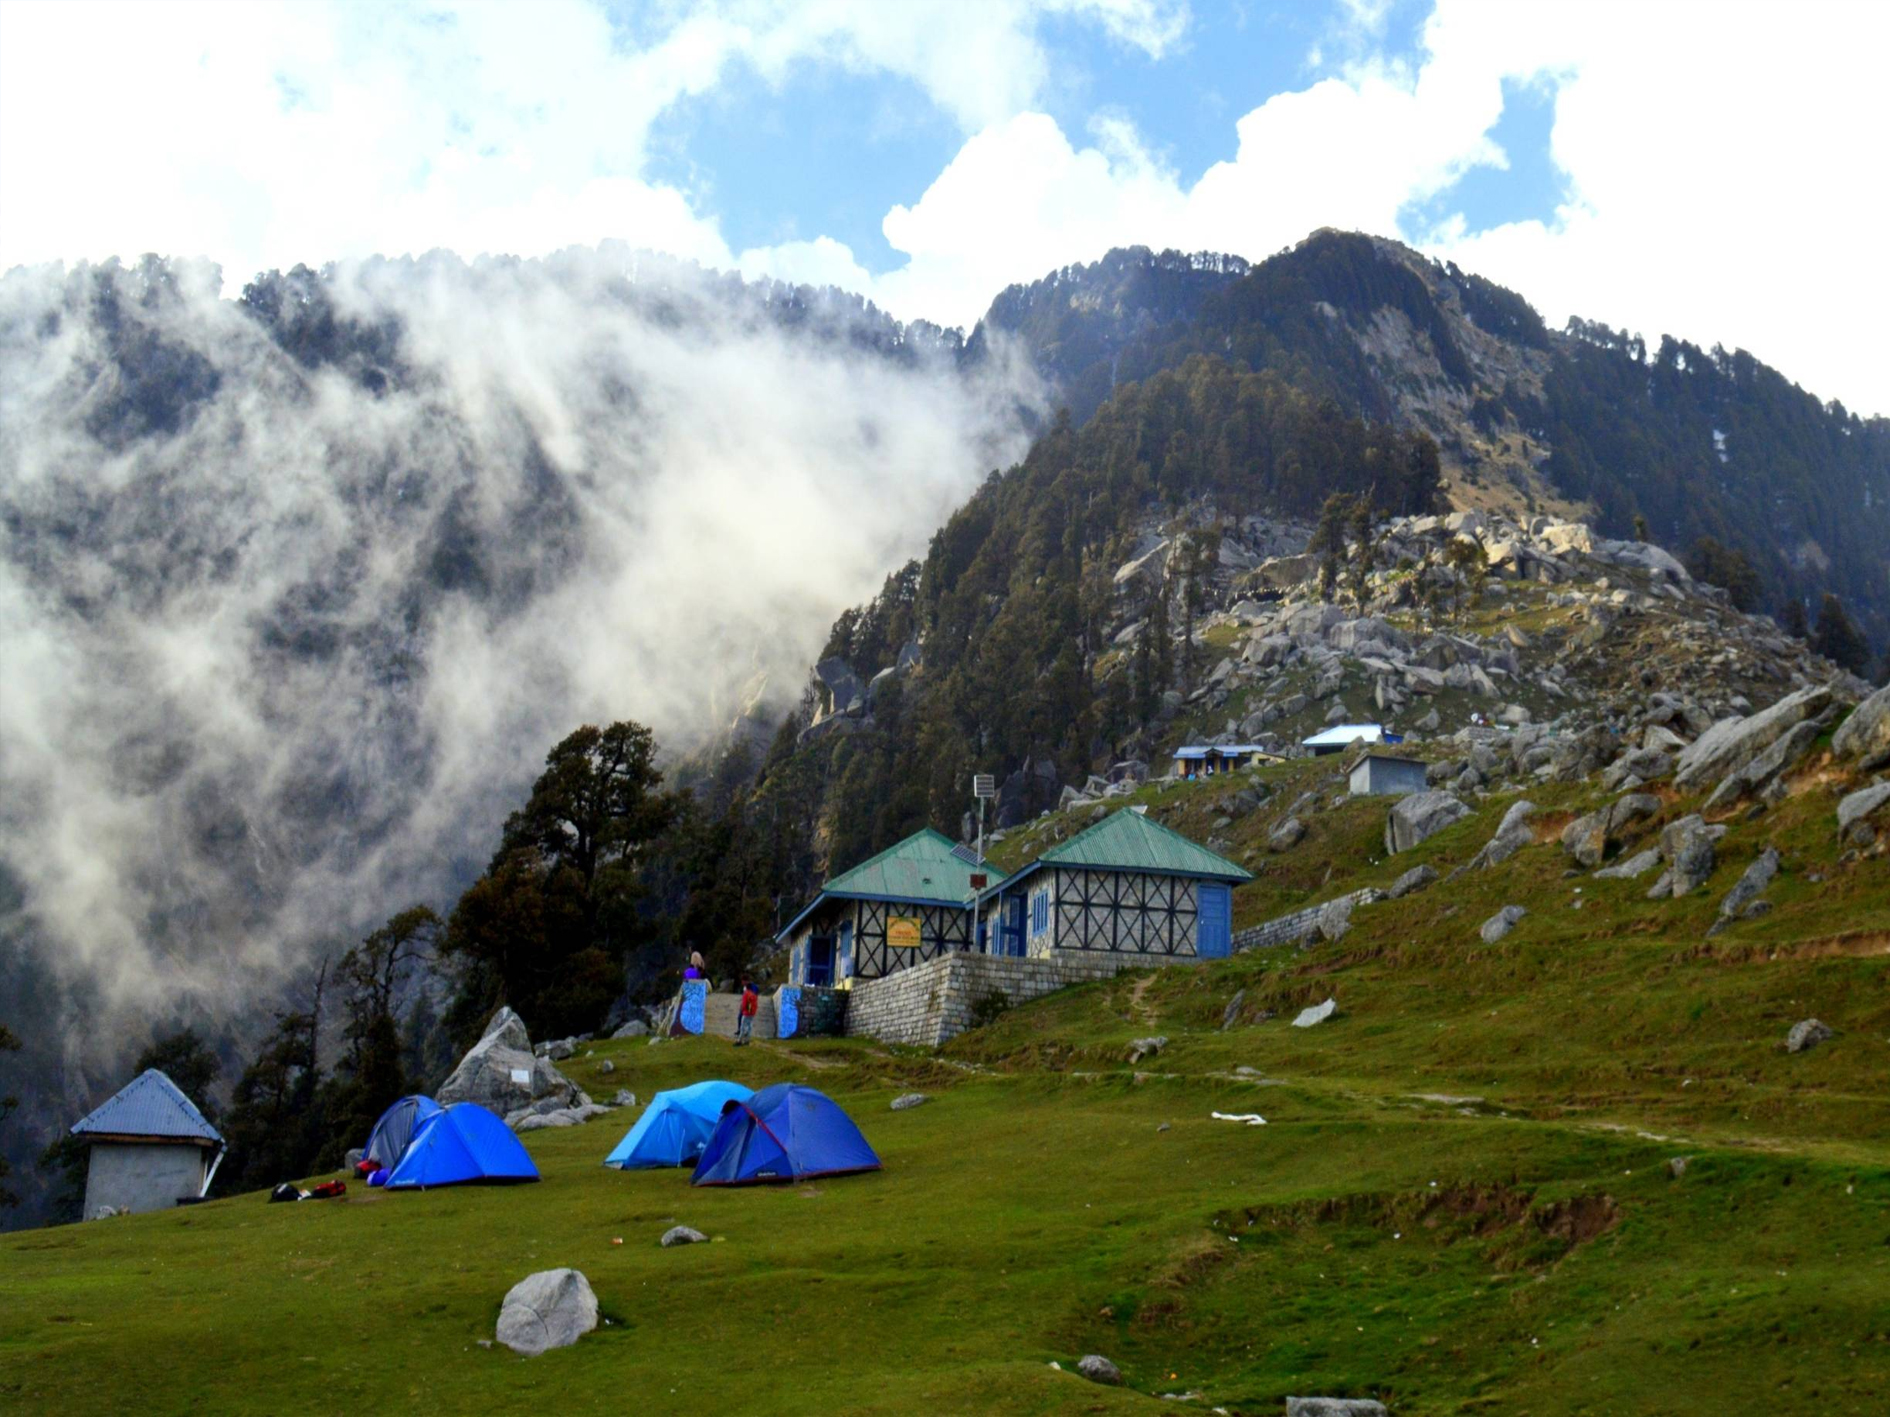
[(676, 1125), (782, 1133), (463, 1143), (398, 1126)]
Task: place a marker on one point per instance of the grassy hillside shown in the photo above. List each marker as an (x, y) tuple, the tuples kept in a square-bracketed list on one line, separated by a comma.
[(1461, 1201)]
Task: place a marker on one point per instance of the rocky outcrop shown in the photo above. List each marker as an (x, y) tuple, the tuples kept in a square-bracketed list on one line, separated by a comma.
[(1420, 816), (551, 1309), (1864, 737), (1334, 1407), (1731, 743), (502, 1074), (1286, 835)]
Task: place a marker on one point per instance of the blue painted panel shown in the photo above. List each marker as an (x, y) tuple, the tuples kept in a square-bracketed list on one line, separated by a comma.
[(695, 999), (1214, 926), (787, 1012)]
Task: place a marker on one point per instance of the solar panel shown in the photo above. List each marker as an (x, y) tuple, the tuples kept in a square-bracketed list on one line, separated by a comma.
[(967, 854)]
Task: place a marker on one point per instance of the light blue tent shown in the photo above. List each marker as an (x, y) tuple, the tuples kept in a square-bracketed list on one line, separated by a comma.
[(676, 1126)]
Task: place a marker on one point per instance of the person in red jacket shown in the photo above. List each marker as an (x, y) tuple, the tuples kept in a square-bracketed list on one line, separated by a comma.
[(745, 1020)]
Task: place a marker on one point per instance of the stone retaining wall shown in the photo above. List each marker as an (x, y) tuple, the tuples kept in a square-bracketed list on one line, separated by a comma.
[(932, 1002), (1290, 929)]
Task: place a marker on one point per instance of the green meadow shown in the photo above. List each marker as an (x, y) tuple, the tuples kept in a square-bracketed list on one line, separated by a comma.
[(1461, 1201)]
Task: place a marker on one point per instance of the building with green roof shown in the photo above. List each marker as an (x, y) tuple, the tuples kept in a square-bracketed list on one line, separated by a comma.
[(1126, 885), (912, 902)]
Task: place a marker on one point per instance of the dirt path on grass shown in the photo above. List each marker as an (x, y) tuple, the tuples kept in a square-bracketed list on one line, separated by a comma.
[(1138, 1002)]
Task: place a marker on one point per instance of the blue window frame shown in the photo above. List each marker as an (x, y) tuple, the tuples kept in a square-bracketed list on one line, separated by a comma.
[(1040, 912)]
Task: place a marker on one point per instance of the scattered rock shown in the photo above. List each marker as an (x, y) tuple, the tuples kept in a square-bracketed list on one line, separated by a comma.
[(606, 1067), (1688, 846), (1865, 735), (1416, 879), (1286, 835), (910, 1099), (1334, 1407), (1512, 835), (1501, 923), (636, 1028), (1146, 1048), (1231, 1014), (624, 1098), (1807, 1033), (1318, 1013), (551, 1309), (1677, 1166), (1421, 815), (1630, 867), (1757, 877), (681, 1235), (1587, 838), (1861, 804), (1335, 920), (1099, 1369)]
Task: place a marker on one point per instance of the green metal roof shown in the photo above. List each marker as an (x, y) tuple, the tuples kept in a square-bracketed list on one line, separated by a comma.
[(1128, 841), (921, 867)]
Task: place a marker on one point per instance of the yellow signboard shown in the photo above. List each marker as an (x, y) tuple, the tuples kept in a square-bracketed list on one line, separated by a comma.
[(902, 932)]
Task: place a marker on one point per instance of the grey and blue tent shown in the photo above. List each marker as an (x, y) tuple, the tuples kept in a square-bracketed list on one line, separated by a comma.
[(387, 1144), (782, 1133)]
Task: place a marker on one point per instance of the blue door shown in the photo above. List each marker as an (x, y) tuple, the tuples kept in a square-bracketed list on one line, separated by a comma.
[(1011, 929), (1214, 926), (820, 961)]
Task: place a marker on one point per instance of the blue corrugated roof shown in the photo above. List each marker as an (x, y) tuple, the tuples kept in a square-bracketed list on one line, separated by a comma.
[(1191, 752), (150, 1105)]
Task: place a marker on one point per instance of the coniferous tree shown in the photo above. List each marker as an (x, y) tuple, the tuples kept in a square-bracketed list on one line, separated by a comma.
[(1837, 639), (1793, 621)]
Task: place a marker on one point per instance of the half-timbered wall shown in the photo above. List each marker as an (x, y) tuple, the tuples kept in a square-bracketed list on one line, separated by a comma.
[(942, 929), (1134, 912)]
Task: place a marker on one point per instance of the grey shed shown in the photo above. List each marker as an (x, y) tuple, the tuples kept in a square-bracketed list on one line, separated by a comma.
[(150, 1148), (1378, 775)]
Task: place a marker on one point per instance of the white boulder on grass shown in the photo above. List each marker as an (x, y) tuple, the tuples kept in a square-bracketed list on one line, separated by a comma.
[(551, 1309)]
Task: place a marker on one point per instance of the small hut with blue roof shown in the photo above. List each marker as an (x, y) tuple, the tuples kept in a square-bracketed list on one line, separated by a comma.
[(150, 1149)]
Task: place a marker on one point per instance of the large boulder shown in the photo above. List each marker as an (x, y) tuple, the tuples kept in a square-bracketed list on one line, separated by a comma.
[(1512, 835), (1421, 815), (1098, 1369), (1757, 775), (551, 1309), (501, 1073), (1286, 835), (1416, 879), (1865, 735), (1733, 742)]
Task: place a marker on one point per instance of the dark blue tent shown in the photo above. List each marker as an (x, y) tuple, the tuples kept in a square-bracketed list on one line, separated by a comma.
[(463, 1143), (397, 1128), (675, 1126), (782, 1133)]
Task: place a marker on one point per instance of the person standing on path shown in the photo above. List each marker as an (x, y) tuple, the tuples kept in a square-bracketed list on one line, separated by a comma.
[(745, 1019)]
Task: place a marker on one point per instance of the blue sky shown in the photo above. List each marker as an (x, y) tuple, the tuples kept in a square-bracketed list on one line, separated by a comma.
[(1660, 167)]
